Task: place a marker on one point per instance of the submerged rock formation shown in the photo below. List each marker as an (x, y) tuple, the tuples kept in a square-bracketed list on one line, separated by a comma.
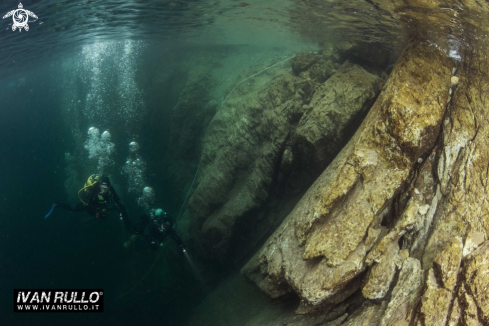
[(399, 219), (346, 221), (269, 130), (394, 230)]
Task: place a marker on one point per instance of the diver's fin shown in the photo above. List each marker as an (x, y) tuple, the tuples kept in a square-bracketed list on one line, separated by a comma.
[(52, 209)]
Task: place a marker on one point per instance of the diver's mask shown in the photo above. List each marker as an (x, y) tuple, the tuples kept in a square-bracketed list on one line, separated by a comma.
[(104, 189), (164, 226)]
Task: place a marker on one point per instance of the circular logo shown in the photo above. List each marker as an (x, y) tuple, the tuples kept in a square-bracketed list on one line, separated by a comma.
[(20, 17)]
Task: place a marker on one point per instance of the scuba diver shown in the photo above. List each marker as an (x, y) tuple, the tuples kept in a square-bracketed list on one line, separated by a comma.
[(155, 228), (97, 198)]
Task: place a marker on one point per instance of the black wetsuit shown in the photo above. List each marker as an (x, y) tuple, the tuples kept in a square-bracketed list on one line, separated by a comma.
[(152, 230), (98, 205)]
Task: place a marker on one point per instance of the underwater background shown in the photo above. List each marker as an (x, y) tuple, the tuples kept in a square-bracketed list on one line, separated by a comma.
[(91, 77)]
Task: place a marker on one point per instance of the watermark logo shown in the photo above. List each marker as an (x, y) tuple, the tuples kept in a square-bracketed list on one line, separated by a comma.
[(20, 17), (58, 300)]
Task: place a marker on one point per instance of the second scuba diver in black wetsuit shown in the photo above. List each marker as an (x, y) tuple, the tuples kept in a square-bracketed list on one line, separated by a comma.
[(156, 227), (98, 198)]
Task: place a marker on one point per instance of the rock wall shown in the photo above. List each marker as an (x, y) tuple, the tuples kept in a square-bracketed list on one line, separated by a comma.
[(399, 219), (274, 135), (341, 226)]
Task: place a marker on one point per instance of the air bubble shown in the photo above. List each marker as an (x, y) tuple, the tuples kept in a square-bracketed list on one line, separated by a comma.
[(147, 198), (106, 135), (133, 147), (100, 148), (134, 169)]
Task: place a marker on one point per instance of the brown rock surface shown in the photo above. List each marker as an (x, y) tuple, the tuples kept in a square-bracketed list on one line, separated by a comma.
[(476, 280), (435, 302), (447, 263), (368, 315), (440, 284), (405, 294)]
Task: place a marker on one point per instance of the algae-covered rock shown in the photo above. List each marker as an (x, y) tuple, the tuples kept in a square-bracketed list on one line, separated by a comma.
[(440, 284), (456, 288), (448, 262), (320, 71), (192, 112), (303, 61), (368, 314)]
